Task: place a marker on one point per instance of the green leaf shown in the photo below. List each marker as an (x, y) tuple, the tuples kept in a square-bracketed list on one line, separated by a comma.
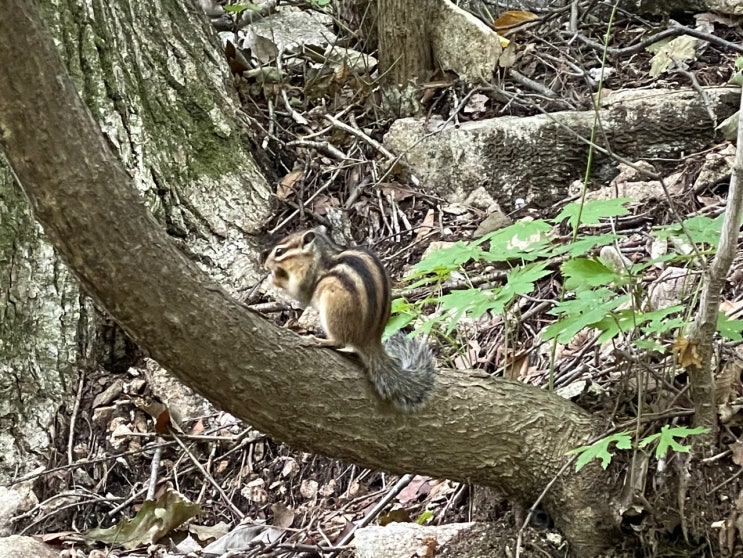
[(525, 240), (615, 323), (656, 46), (586, 310), (600, 450), (622, 321), (657, 323), (238, 8), (474, 302), (593, 211), (667, 439), (521, 280), (442, 262), (584, 244), (737, 77), (426, 326), (403, 313), (522, 232), (657, 319), (424, 517), (729, 329), (701, 228), (588, 273), (649, 345), (728, 128)]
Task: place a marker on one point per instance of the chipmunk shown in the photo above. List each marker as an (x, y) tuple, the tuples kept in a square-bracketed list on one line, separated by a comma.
[(350, 289)]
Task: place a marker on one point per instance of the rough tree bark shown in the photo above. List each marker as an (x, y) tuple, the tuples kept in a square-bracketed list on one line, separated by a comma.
[(181, 141), (45, 333), (497, 433), (405, 52), (418, 39)]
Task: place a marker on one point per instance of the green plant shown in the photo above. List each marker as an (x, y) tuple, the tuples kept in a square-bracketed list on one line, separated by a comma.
[(424, 517), (600, 450), (599, 294), (666, 440), (737, 77)]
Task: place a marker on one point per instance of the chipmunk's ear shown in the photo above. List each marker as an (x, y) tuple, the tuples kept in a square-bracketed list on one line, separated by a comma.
[(308, 238)]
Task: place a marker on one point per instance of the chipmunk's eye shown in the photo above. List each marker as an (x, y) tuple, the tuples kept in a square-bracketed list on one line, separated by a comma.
[(278, 251)]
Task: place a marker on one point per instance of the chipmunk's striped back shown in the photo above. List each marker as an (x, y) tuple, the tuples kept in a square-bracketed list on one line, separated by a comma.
[(350, 289), (356, 285)]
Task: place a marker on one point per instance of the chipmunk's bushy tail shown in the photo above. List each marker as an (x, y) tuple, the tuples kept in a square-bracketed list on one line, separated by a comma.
[(404, 373)]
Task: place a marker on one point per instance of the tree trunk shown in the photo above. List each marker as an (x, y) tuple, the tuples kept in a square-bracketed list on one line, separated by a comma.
[(498, 433), (418, 40), (164, 103), (44, 334), (164, 99), (405, 53)]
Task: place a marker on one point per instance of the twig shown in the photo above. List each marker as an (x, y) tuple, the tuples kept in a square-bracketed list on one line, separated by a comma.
[(674, 31), (112, 512), (574, 17), (714, 458), (298, 118), (455, 499), (305, 203), (533, 507), (154, 468), (700, 91), (208, 477), (55, 511), (271, 125), (323, 146), (361, 135), (82, 463), (723, 483), (394, 491), (73, 417), (531, 84), (270, 307)]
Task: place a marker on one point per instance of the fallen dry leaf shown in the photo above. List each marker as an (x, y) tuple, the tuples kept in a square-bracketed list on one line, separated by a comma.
[(411, 493), (512, 18), (726, 384), (398, 515), (287, 185), (154, 520), (398, 191), (686, 352), (426, 225), (308, 488), (518, 368), (322, 202)]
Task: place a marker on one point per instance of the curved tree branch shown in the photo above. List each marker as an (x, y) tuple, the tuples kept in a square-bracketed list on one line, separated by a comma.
[(498, 433)]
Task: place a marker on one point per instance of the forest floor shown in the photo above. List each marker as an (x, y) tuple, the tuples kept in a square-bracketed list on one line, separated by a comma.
[(318, 135)]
